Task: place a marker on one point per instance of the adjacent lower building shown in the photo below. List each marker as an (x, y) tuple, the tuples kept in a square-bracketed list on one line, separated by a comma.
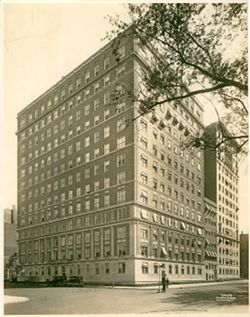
[(210, 215), (221, 187), (106, 197), (244, 255)]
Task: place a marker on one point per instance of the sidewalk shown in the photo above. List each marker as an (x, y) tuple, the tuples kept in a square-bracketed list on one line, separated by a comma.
[(156, 287)]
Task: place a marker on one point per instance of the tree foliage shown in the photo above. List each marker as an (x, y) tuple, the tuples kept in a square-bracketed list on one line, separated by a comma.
[(200, 49), (13, 266)]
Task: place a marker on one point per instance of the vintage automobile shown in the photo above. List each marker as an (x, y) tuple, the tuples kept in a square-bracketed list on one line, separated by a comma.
[(75, 281), (57, 281)]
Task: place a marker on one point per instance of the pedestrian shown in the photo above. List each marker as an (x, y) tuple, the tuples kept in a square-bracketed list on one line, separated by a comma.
[(163, 283), (167, 282)]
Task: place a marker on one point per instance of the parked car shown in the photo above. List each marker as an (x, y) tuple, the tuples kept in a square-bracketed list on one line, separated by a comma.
[(57, 281), (75, 281)]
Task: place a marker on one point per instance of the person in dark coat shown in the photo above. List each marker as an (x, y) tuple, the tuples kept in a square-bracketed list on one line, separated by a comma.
[(163, 283), (167, 281)]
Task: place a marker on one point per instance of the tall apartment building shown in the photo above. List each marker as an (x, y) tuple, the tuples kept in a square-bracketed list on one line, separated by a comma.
[(10, 236), (100, 195), (221, 187), (10, 215)]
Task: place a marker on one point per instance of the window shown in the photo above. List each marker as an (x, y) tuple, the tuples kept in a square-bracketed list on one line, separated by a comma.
[(97, 268), (121, 268), (106, 166), (106, 63), (106, 98), (86, 110), (107, 268), (87, 173), (120, 52), (121, 232), (87, 76), (121, 142), (121, 160), (120, 107), (121, 177), (144, 178), (96, 120), (106, 114), (106, 80), (121, 124), (120, 71), (96, 70), (144, 233), (144, 197), (121, 248), (96, 137), (144, 142), (169, 144), (78, 192), (106, 199), (106, 148), (87, 157), (70, 120), (78, 147), (155, 167), (96, 88), (198, 166), (106, 182), (121, 196), (78, 83), (144, 125), (96, 152), (144, 250), (87, 204), (144, 268), (87, 188), (96, 103), (87, 124), (106, 131)]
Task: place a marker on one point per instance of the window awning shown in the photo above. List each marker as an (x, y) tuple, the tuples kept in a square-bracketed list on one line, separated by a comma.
[(183, 226), (163, 219), (181, 126), (162, 124), (186, 133), (168, 115), (155, 217), (175, 121), (154, 118), (199, 231), (207, 241), (208, 253), (163, 250)]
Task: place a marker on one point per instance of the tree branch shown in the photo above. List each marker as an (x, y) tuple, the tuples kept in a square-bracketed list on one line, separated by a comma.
[(230, 138), (237, 99), (190, 94)]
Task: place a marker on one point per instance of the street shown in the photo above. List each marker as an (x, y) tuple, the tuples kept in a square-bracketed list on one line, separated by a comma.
[(220, 298)]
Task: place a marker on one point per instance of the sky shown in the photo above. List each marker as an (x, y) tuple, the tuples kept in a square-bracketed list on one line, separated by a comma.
[(42, 43)]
